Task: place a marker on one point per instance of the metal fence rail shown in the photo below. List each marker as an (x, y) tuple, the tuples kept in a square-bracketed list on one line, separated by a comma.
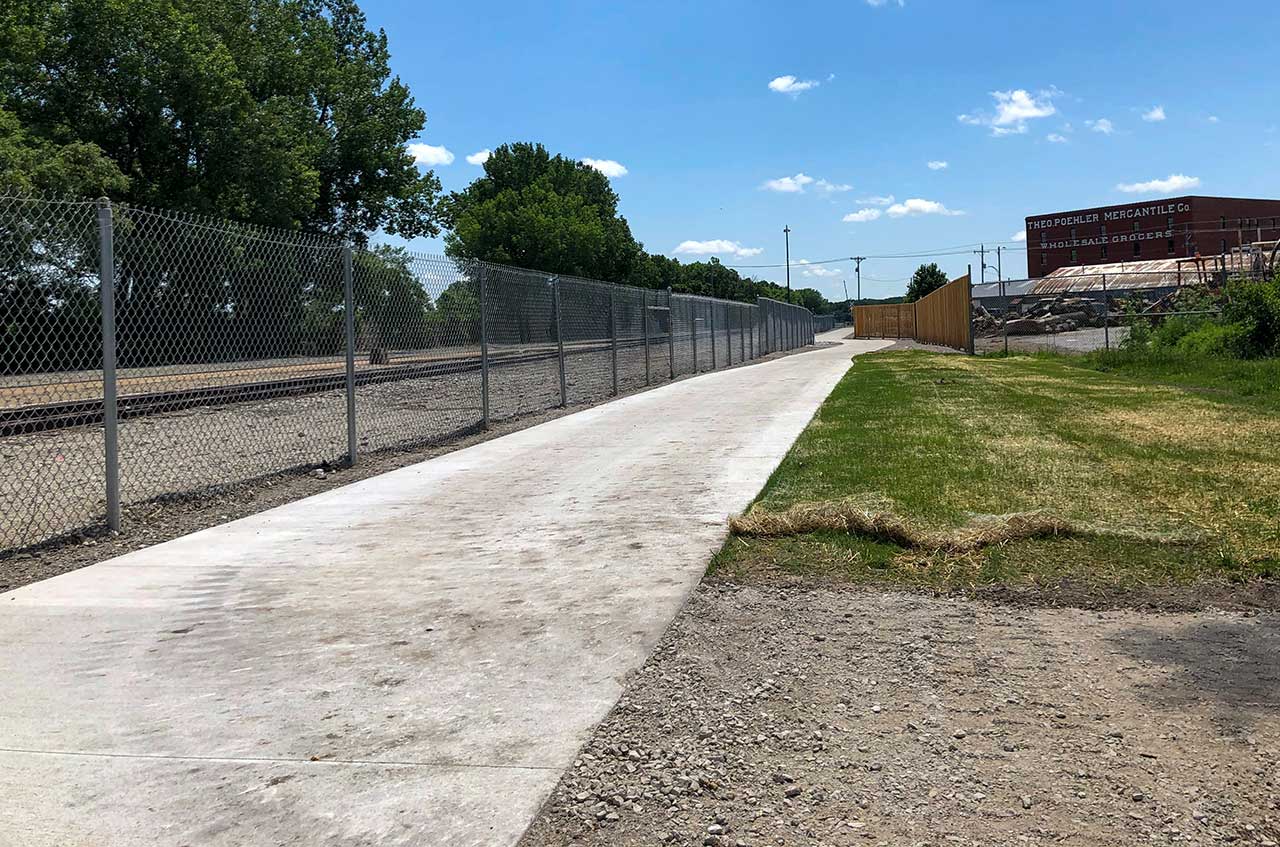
[(150, 355)]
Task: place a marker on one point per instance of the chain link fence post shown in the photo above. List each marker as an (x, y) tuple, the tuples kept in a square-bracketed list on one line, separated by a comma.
[(729, 311), (694, 319), (644, 326), (671, 331), (482, 284), (742, 332), (762, 317), (613, 339), (754, 313), (1106, 317), (711, 310), (555, 305), (110, 418), (349, 319)]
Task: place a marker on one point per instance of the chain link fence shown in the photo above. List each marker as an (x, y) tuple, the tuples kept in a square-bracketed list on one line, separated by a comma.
[(1092, 312), (147, 355)]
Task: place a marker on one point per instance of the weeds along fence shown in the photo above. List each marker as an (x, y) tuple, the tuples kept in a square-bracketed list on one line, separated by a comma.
[(149, 355)]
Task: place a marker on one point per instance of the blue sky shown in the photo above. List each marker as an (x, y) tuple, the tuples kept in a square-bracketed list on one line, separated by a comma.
[(711, 106)]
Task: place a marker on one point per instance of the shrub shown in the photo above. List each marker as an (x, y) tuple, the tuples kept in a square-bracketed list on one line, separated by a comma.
[(1211, 338), (1174, 329), (1254, 308)]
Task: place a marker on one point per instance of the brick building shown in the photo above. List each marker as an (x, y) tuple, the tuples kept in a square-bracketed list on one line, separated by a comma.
[(1153, 229)]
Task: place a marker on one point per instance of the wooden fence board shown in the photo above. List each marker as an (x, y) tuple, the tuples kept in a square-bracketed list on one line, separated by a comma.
[(940, 318)]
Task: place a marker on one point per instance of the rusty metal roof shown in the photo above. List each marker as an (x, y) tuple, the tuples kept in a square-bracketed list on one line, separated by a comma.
[(1008, 288), (1152, 273)]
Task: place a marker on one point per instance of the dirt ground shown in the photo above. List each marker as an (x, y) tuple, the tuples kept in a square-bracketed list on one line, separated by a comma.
[(787, 714)]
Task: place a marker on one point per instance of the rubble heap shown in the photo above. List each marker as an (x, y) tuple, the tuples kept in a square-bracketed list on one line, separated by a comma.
[(1063, 314)]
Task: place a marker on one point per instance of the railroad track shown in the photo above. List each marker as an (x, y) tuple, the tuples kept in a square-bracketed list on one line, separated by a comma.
[(86, 412), (66, 414)]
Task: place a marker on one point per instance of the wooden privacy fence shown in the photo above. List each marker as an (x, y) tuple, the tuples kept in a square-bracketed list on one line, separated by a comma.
[(939, 318), (893, 320)]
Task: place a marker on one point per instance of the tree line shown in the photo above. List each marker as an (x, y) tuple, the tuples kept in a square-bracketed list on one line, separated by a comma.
[(276, 113)]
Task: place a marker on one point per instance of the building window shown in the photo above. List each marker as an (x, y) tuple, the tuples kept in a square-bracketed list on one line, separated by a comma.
[(1224, 245), (1104, 251), (1073, 232), (1171, 247), (1171, 222), (1224, 224), (1136, 226), (1103, 231), (1074, 257), (1137, 248), (1043, 261)]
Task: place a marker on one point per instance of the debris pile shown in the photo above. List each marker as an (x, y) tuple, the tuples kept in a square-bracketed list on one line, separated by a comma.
[(1063, 314)]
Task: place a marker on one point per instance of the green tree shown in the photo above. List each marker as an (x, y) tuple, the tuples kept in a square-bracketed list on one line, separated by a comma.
[(542, 212), (812, 300), (31, 165), (276, 112), (926, 280)]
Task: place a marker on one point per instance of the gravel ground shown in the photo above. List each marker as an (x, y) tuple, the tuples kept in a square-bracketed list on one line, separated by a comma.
[(1078, 341), (773, 714), (199, 467)]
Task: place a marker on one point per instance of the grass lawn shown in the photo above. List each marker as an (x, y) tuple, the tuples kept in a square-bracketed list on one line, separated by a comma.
[(1257, 378), (1165, 487)]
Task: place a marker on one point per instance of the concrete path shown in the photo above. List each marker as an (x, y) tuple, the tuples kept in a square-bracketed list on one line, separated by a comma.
[(411, 659)]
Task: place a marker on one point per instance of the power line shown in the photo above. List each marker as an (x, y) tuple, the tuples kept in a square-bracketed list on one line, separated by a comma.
[(966, 249)]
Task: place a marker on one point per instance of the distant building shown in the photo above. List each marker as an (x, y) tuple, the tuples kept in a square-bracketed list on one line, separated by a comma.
[(1156, 229)]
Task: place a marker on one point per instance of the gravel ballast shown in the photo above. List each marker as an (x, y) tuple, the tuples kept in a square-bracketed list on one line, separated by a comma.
[(784, 715)]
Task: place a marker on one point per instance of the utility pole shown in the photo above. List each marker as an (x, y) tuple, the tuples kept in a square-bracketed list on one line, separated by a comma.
[(786, 233), (999, 269), (982, 251), (858, 260)]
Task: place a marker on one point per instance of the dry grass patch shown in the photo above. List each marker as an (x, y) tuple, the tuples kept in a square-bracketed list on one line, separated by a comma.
[(846, 516)]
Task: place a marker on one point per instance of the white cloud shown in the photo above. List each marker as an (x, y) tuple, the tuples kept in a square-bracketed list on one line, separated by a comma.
[(1012, 111), (816, 270), (716, 247), (939, 165), (832, 187), (1153, 115), (1213, 119), (878, 3), (862, 216), (1102, 125), (886, 200), (916, 206), (479, 157), (1020, 235), (788, 184), (1172, 183), (608, 167), (790, 85), (430, 154), (1056, 138)]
